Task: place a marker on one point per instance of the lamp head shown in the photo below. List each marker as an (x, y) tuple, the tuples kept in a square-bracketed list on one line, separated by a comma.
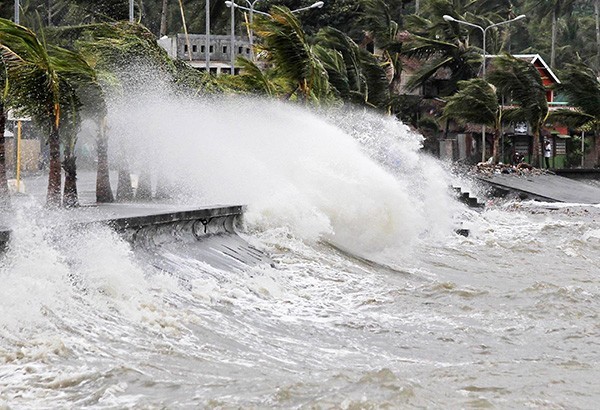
[(448, 18), (317, 5), (520, 17), (228, 3)]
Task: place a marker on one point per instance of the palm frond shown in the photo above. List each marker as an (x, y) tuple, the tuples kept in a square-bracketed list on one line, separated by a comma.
[(582, 88), (475, 102)]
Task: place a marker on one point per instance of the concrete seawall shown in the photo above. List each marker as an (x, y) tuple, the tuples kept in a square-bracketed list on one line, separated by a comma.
[(206, 234), (126, 218)]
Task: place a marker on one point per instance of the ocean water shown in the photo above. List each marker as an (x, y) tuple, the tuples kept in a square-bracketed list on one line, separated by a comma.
[(372, 301)]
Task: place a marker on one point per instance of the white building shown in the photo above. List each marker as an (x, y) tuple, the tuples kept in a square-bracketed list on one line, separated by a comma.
[(220, 48)]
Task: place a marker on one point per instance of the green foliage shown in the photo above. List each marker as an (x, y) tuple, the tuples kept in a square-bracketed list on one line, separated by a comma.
[(582, 89), (520, 81), (287, 48), (356, 75), (475, 102)]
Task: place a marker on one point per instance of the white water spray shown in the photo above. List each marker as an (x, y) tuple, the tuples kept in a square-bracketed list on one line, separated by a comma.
[(348, 176)]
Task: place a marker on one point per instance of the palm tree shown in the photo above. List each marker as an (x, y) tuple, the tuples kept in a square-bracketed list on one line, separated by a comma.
[(37, 92), (582, 89), (355, 74), (521, 83), (441, 47), (476, 102), (287, 48), (378, 21), (6, 57), (44, 72), (448, 47)]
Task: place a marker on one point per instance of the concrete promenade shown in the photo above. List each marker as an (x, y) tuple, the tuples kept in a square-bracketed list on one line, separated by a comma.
[(545, 187)]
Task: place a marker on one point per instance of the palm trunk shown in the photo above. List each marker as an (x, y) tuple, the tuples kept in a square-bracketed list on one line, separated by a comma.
[(103, 190), (535, 156), (496, 145), (553, 40), (70, 197), (4, 193), (597, 17), (144, 189), (54, 182), (163, 18), (124, 188), (163, 189)]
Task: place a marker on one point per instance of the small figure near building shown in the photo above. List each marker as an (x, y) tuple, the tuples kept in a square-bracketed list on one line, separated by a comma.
[(547, 153), (517, 158)]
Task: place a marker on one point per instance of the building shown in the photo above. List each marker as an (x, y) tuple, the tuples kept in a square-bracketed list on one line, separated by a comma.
[(193, 50), (517, 137)]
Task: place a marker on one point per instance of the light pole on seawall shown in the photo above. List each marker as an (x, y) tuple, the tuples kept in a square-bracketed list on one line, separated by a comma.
[(207, 36), (17, 11), (251, 32), (484, 32), (232, 45), (131, 11)]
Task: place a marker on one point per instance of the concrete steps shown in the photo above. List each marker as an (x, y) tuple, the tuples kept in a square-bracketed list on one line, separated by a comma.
[(466, 198)]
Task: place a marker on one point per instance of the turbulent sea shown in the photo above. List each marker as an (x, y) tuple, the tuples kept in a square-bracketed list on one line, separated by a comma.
[(371, 300)]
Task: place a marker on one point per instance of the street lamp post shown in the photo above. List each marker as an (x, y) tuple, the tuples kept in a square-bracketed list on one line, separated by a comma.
[(207, 36), (131, 11), (232, 5), (251, 32), (232, 71), (17, 12), (484, 32)]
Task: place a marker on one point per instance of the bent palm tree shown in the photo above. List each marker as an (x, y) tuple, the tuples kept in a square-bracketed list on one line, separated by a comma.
[(6, 57), (521, 82), (287, 47), (476, 102), (582, 89), (355, 74), (44, 70)]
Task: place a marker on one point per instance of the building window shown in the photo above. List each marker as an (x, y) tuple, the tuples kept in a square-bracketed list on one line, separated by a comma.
[(240, 50), (210, 49), (202, 49), (247, 51), (194, 48), (185, 48), (224, 49)]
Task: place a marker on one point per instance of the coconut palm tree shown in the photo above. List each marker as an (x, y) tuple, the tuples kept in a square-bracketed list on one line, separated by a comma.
[(286, 47), (355, 74), (582, 89), (520, 82), (449, 48), (476, 102), (556, 9), (384, 30), (6, 57), (45, 71)]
